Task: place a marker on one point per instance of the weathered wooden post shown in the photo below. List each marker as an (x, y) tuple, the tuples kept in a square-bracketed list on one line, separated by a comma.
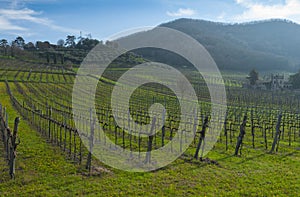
[(129, 130), (65, 133), (195, 125), (252, 129), (49, 122), (225, 130), (201, 137), (163, 128), (265, 137), (241, 137), (91, 138), (13, 148), (150, 141), (277, 134), (75, 133)]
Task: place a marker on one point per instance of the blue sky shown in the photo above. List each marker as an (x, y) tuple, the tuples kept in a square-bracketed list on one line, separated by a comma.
[(55, 19)]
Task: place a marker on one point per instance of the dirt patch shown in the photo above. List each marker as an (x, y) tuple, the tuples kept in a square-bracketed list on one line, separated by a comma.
[(97, 171), (209, 161)]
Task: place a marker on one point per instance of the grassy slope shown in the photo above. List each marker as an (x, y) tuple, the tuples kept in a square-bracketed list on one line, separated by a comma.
[(42, 170)]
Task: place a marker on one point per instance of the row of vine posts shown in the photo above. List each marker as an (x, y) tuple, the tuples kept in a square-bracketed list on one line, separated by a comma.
[(61, 131)]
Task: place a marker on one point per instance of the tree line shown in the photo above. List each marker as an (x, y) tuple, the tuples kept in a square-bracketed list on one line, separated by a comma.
[(86, 43), (71, 49)]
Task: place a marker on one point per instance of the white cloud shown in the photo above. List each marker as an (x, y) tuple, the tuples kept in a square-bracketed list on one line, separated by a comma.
[(290, 9), (182, 12), (6, 25), (9, 16)]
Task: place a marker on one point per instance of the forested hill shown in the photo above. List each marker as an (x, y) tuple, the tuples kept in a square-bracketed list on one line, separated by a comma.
[(265, 45)]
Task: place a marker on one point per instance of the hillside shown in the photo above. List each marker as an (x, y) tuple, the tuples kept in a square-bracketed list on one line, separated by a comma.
[(272, 45), (267, 46)]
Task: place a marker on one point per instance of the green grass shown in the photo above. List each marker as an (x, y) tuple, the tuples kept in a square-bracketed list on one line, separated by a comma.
[(42, 170)]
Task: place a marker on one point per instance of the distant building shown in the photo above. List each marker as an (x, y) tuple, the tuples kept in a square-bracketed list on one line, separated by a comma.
[(274, 82), (278, 82)]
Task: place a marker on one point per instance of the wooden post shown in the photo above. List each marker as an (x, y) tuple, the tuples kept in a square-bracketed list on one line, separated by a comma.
[(252, 129), (89, 159), (80, 151), (225, 131), (49, 123), (241, 136), (150, 141), (163, 128), (75, 150), (265, 138), (65, 137), (60, 135), (195, 124), (13, 148), (129, 130), (201, 137), (277, 134)]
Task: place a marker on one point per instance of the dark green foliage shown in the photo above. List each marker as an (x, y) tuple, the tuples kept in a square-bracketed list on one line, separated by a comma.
[(269, 45), (20, 42), (4, 46), (29, 46), (87, 44), (42, 45), (70, 41)]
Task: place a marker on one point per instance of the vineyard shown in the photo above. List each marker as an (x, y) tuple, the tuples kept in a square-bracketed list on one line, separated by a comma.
[(262, 121)]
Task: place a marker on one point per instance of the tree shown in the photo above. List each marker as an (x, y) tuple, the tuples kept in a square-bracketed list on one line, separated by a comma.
[(60, 43), (87, 44), (20, 42), (12, 48), (29, 46), (3, 45), (42, 45), (253, 77), (70, 41)]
